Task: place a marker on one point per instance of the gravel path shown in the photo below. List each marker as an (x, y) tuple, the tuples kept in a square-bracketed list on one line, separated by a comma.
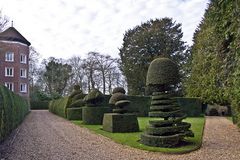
[(44, 136)]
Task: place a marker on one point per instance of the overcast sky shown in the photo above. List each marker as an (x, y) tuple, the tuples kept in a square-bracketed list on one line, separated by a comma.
[(63, 28)]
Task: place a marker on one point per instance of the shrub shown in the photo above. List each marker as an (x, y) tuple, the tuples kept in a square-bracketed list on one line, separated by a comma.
[(13, 109), (162, 74), (74, 113), (59, 106), (119, 90), (39, 104), (117, 97), (77, 103), (94, 98), (162, 71)]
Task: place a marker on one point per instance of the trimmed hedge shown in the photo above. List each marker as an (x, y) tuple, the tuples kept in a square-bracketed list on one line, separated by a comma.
[(191, 106), (39, 105), (74, 113), (59, 106), (140, 105), (13, 109), (94, 115)]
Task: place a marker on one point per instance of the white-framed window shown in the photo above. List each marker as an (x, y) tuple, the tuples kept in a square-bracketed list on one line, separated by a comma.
[(9, 71), (23, 58), (23, 87), (23, 73), (10, 85), (9, 57)]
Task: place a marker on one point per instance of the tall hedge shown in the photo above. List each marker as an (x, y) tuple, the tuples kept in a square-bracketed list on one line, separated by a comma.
[(59, 106), (215, 65), (13, 109), (39, 105)]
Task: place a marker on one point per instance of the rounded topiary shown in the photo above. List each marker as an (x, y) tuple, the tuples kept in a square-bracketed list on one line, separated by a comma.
[(119, 100), (119, 90), (117, 97), (162, 71), (95, 97)]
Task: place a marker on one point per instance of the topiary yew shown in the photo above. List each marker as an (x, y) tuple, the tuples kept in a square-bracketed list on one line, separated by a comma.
[(94, 98), (93, 112), (120, 121), (119, 100), (162, 74)]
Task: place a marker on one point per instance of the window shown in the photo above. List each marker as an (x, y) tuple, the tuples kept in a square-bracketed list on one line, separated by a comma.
[(9, 56), (23, 87), (10, 86), (23, 58), (23, 73), (9, 71)]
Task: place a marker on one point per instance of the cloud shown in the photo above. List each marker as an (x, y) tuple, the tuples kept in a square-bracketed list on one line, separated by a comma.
[(65, 28)]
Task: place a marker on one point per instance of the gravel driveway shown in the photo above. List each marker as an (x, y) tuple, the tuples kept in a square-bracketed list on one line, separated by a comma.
[(44, 136)]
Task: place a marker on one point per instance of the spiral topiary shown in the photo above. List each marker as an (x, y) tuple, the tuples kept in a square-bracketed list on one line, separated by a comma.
[(119, 100), (162, 73), (120, 121)]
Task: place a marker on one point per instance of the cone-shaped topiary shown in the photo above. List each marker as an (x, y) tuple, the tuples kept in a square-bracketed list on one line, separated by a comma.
[(120, 121), (162, 73)]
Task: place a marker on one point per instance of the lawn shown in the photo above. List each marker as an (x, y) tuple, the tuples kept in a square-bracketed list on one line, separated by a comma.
[(132, 139)]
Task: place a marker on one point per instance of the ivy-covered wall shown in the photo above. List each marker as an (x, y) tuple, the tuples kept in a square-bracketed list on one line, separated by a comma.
[(13, 109)]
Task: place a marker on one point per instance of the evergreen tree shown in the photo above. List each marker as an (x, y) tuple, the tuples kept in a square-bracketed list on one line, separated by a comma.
[(145, 42)]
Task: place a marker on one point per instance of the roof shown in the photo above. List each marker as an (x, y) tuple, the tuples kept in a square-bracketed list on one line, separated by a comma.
[(11, 34)]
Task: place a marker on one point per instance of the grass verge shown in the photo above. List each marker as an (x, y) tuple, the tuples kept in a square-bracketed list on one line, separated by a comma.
[(132, 139)]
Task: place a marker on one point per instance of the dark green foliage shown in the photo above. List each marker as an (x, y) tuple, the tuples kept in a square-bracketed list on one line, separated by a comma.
[(120, 123), (144, 43), (215, 65), (162, 71), (75, 92), (77, 97), (119, 90), (77, 103), (119, 100), (59, 106), (56, 75), (94, 115), (160, 141), (74, 113), (120, 120), (117, 97), (39, 105), (191, 106), (94, 98), (13, 109)]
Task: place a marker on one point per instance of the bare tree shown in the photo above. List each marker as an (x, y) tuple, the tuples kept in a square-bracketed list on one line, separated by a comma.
[(105, 65), (4, 21), (33, 66), (89, 66), (78, 73)]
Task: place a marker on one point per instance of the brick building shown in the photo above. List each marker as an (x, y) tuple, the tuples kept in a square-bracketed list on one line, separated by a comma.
[(14, 61)]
